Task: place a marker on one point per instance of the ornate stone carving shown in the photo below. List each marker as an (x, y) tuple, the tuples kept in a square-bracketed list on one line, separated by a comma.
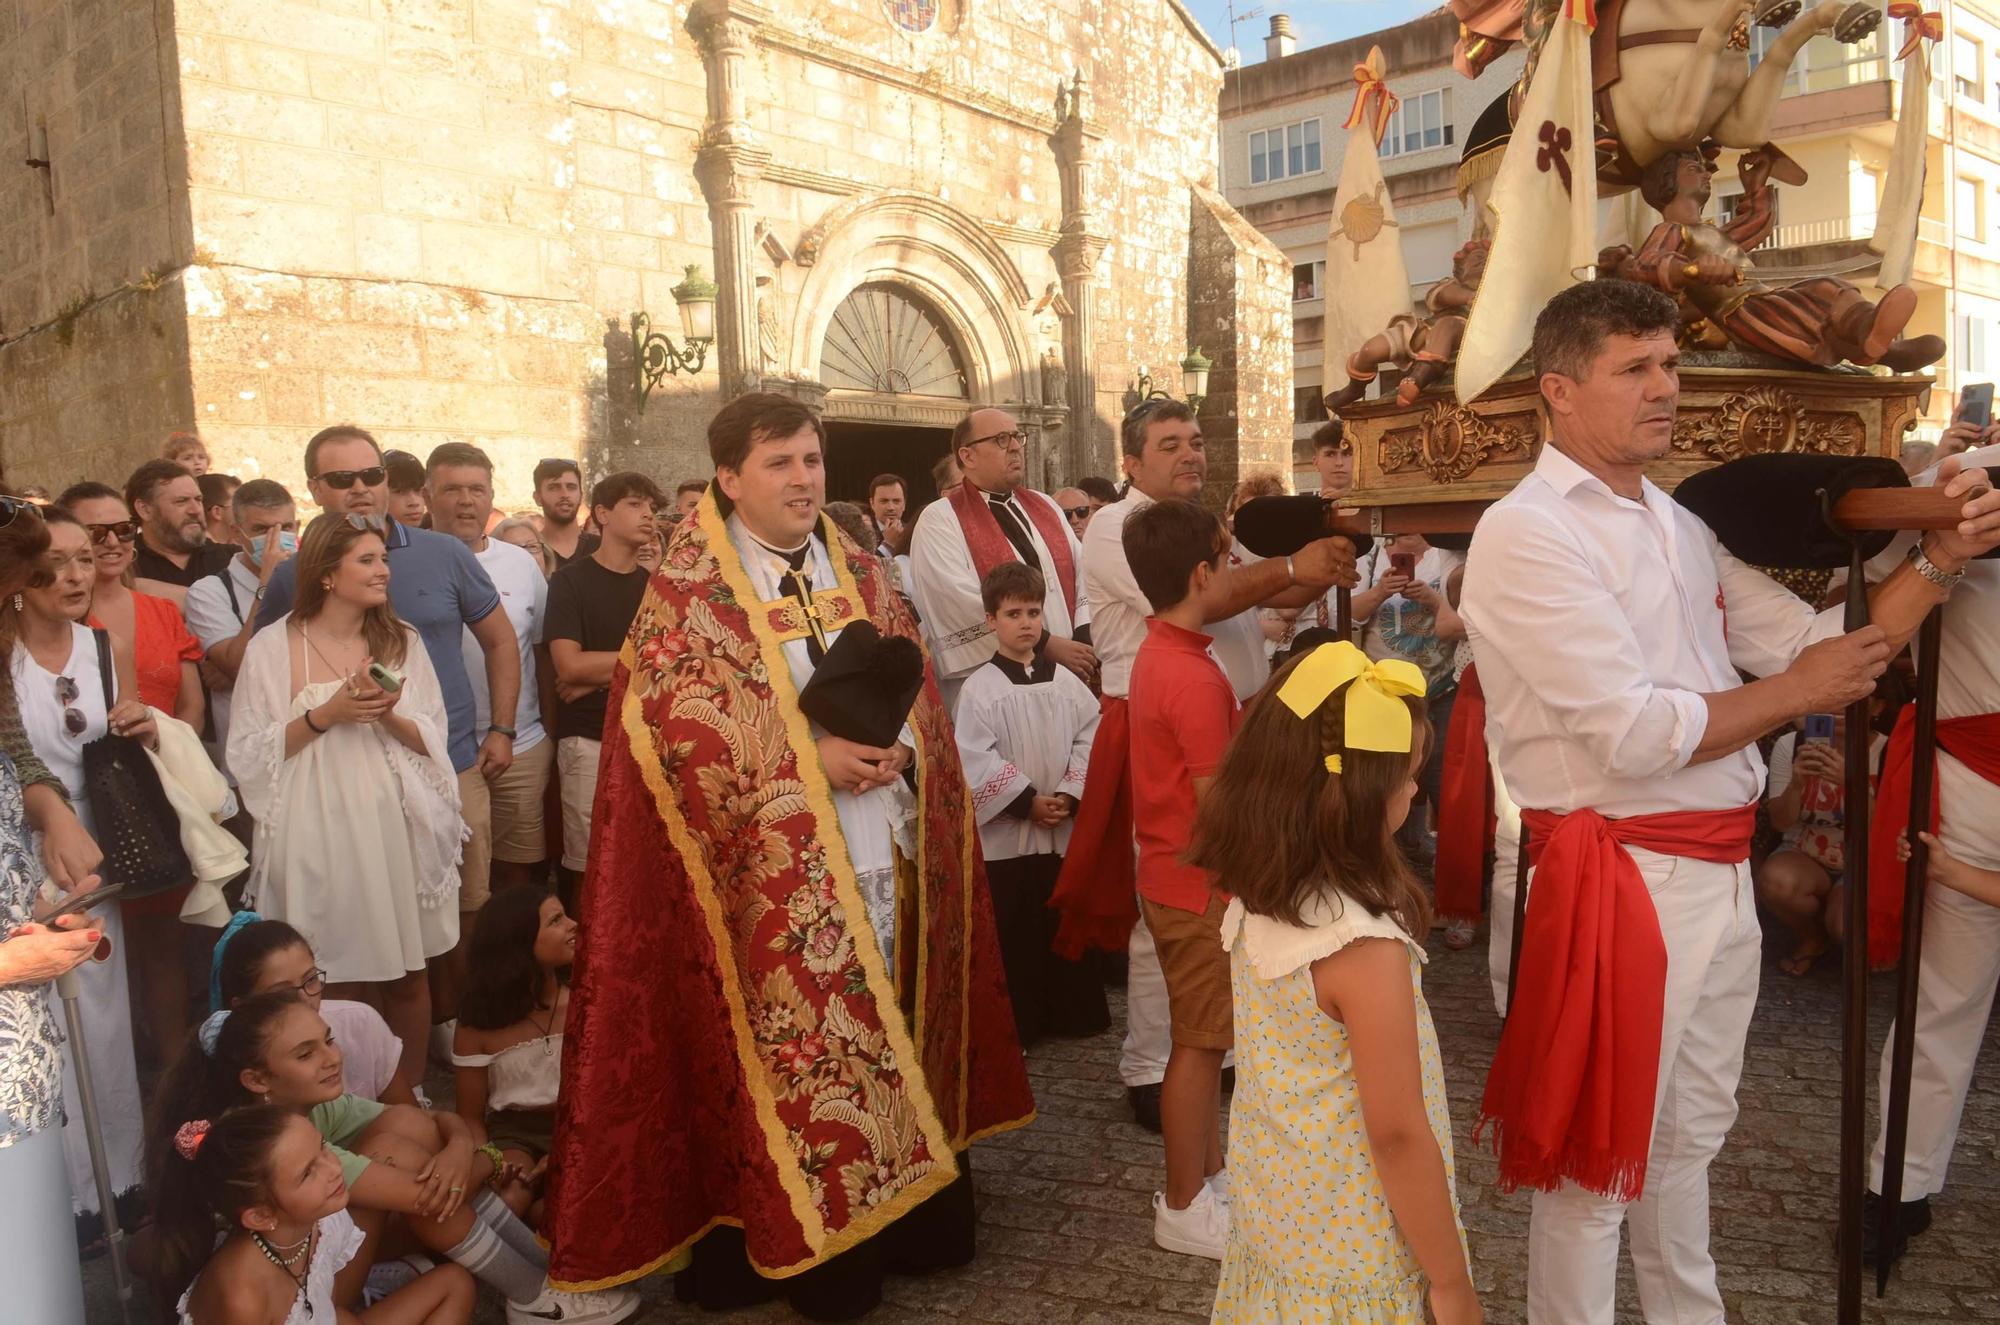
[(1449, 441), (1765, 419), (1055, 381)]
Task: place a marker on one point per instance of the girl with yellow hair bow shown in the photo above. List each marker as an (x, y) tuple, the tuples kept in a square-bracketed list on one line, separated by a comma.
[(1325, 970)]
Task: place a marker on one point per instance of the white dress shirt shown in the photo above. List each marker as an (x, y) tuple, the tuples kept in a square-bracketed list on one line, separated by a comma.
[(1968, 685), (1119, 609), (1599, 623)]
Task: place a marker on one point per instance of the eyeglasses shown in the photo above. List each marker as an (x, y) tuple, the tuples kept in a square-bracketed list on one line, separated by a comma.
[(66, 695), (13, 506), (123, 530), (373, 524), (1076, 512), (1009, 441), (310, 986), (340, 480)]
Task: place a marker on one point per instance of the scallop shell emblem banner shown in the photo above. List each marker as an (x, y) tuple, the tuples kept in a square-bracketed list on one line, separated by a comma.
[(1367, 281)]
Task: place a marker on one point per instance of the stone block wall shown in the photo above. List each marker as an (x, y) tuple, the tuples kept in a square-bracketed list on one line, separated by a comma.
[(1240, 313)]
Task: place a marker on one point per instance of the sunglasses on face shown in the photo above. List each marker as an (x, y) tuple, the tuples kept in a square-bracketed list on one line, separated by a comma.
[(1076, 512), (123, 530), (66, 695), (340, 480)]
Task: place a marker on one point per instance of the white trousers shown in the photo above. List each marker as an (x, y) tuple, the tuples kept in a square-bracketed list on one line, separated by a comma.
[(1148, 1029), (1506, 864), (1714, 947), (1955, 984)]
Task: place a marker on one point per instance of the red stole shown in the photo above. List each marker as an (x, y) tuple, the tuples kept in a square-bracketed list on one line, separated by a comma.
[(1571, 1091), (989, 544), (1974, 742), (1465, 806), (1095, 889)]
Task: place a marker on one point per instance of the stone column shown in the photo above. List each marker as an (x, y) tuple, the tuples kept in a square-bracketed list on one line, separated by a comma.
[(728, 162), (1091, 448)]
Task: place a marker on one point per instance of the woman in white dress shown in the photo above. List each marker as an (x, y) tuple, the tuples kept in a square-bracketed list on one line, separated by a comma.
[(60, 684), (358, 824)]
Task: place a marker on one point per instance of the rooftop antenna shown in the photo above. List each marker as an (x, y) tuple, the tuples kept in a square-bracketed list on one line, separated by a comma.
[(1234, 19)]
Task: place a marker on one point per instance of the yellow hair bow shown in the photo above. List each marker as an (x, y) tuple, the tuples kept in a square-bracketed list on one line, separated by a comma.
[(1377, 718)]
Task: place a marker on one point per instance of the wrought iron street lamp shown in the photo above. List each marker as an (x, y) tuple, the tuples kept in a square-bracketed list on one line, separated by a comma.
[(1194, 380), (655, 357)]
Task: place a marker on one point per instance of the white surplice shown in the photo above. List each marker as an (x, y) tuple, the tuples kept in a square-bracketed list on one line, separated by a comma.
[(878, 823), (1020, 728), (946, 584)]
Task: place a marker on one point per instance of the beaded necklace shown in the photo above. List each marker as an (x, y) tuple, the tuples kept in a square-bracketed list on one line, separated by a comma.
[(299, 1251)]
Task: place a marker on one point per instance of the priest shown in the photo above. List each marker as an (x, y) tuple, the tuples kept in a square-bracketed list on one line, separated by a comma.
[(788, 1021), (991, 517)]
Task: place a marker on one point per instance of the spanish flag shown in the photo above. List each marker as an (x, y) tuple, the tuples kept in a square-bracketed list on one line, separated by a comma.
[(1544, 206)]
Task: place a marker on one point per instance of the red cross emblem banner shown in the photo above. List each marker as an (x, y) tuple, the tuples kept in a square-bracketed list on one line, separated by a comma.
[(1544, 206)]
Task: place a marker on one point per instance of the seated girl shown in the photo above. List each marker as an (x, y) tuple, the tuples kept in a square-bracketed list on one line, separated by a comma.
[(263, 1175), (508, 1048), (258, 956), (407, 1170)]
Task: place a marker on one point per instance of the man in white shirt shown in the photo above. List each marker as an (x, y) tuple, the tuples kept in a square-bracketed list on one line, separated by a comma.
[(1961, 961), (985, 520), (459, 480), (1596, 607), (1165, 457), (221, 609)]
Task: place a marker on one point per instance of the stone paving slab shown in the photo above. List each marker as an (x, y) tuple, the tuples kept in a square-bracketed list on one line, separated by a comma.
[(1066, 1230)]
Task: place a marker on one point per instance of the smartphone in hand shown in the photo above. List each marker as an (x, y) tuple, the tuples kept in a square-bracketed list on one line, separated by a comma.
[(1404, 564), (1975, 404), (385, 678), (1819, 728)]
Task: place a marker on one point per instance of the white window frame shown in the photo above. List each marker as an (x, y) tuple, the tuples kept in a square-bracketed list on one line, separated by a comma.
[(1969, 227), (1318, 281), (1969, 83), (1300, 143), (1396, 142), (1971, 348)]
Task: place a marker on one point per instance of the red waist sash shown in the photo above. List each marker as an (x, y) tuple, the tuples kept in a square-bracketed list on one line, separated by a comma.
[(1465, 806), (1973, 741), (1570, 1094), (1095, 889)]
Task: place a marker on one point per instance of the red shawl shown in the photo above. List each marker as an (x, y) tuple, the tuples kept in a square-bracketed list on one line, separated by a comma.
[(738, 1051), (988, 542), (1571, 1091), (1465, 806), (1973, 741), (1095, 890)]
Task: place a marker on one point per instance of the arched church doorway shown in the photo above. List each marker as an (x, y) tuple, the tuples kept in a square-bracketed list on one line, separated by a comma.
[(896, 384)]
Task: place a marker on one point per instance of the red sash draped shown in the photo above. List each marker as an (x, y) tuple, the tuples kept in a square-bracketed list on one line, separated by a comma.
[(1095, 890), (988, 542), (1570, 1094), (1973, 741), (1465, 806)]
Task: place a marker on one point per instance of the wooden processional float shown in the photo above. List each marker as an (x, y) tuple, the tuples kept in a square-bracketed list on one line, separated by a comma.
[(1793, 469)]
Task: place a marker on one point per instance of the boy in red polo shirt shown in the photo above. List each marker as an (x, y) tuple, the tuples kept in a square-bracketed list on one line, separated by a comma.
[(1183, 712)]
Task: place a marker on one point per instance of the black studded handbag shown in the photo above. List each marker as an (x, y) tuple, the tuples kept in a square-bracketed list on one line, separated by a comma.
[(135, 824)]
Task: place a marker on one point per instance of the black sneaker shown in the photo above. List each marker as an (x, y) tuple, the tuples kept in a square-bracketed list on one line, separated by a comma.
[(1145, 1102), (1912, 1218)]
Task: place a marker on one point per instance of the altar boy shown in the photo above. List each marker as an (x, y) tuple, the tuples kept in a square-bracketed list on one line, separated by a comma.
[(1024, 729)]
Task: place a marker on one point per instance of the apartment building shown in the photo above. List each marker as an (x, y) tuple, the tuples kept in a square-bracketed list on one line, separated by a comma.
[(1282, 145)]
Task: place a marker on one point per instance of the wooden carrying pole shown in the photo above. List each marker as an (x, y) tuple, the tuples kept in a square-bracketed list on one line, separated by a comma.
[(1896, 1109), (1854, 976)]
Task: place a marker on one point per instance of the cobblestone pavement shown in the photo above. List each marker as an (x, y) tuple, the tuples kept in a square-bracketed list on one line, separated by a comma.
[(1066, 1229)]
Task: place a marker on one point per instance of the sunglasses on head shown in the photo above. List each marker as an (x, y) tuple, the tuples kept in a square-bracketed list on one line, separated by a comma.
[(13, 506), (123, 530), (372, 524), (561, 460), (340, 480)]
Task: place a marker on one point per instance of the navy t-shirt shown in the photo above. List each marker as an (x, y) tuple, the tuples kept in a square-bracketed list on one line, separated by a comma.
[(438, 587)]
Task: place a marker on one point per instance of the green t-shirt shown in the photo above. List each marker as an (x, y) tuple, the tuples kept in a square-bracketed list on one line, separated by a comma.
[(339, 1122)]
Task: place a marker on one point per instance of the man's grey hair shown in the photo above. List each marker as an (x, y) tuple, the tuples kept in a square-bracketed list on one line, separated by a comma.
[(262, 494), (1571, 330)]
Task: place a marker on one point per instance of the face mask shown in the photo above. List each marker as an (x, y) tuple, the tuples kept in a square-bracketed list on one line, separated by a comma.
[(287, 540)]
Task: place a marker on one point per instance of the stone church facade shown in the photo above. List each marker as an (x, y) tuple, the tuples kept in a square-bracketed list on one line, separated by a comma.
[(434, 218)]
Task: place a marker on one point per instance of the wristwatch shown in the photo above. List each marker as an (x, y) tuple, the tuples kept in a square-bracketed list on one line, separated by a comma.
[(1930, 570), (507, 732)]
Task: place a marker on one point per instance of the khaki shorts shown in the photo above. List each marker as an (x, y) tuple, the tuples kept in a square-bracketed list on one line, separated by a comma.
[(1196, 969), (517, 805), (576, 765), (475, 870)]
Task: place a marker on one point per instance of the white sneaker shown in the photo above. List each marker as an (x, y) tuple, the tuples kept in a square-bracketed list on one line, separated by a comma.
[(1199, 1230), (441, 1036), (1218, 1182), (558, 1308)]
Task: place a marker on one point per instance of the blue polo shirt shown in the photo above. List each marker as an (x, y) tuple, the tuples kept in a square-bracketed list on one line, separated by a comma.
[(438, 587)]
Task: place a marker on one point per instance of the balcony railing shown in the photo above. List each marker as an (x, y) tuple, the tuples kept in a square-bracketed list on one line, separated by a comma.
[(1842, 228)]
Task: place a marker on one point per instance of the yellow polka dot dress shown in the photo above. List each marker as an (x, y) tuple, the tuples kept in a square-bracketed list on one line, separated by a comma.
[(1311, 1237)]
